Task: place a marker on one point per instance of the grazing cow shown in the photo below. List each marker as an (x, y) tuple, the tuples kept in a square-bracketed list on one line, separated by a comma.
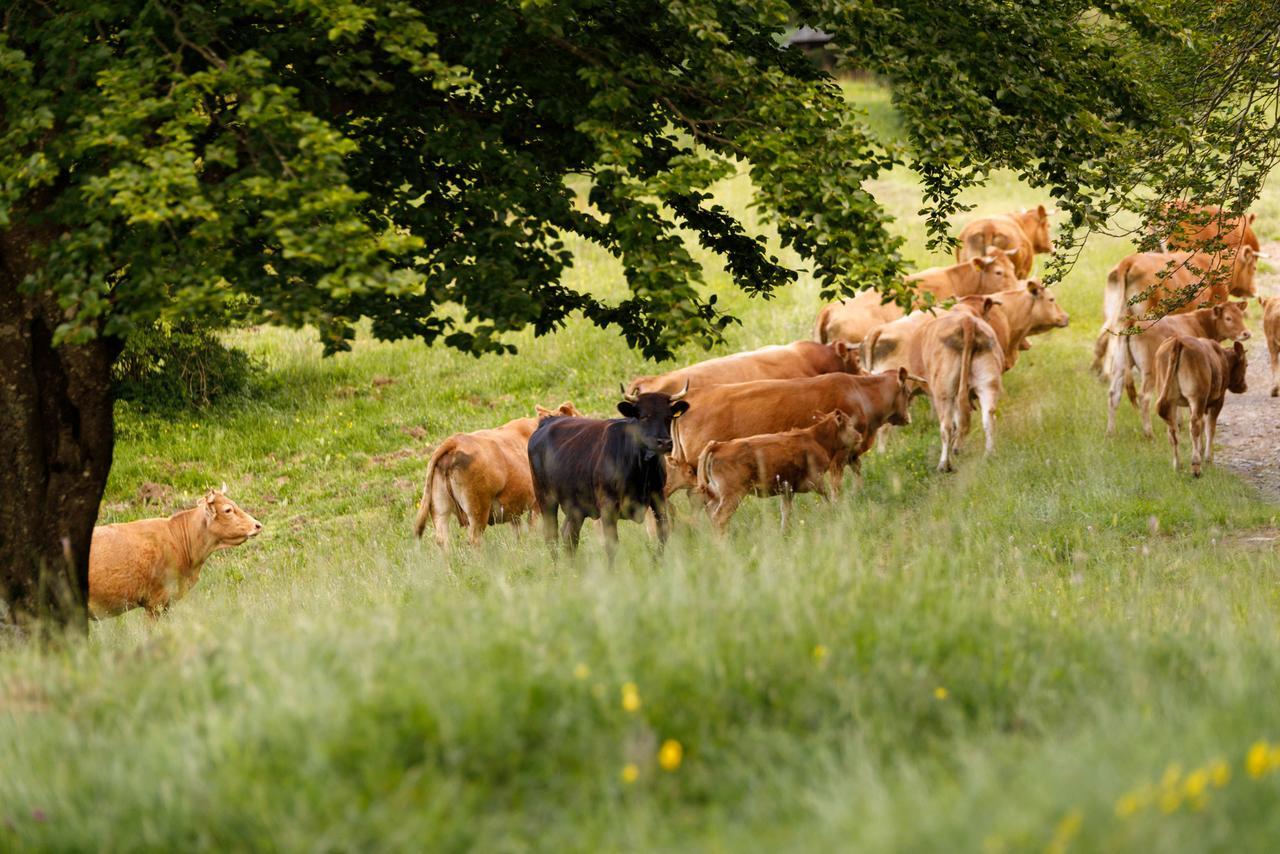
[(735, 411), (481, 478), (1201, 224), (1197, 373), (776, 362), (989, 273), (152, 563), (806, 459), (958, 353), (1161, 275), (1271, 328), (851, 319), (606, 470), (1026, 232), (1129, 351)]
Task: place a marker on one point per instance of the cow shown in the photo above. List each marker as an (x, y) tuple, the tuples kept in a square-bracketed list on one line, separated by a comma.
[(1128, 350), (851, 319), (957, 353), (1197, 373), (735, 411), (152, 563), (1019, 313), (481, 478), (776, 362), (1271, 330), (1162, 275), (605, 469), (1025, 232), (989, 273), (1198, 227), (806, 459)]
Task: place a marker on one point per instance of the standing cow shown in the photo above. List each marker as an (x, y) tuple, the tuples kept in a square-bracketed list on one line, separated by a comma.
[(606, 470)]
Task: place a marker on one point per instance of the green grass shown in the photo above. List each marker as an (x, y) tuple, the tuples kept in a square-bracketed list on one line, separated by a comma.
[(1091, 618)]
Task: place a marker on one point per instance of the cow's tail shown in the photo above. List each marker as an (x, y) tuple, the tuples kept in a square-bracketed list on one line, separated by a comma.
[(1170, 391), (1114, 297), (869, 350), (435, 490), (969, 325), (820, 325), (706, 476)]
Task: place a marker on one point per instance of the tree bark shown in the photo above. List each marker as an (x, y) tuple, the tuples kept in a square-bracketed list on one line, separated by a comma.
[(56, 440)]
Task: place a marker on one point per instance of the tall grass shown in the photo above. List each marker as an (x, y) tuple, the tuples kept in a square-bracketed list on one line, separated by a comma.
[(994, 659)]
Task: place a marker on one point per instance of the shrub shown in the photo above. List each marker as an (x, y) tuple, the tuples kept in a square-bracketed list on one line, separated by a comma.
[(182, 365)]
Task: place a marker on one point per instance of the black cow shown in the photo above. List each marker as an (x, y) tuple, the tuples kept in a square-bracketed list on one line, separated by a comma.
[(605, 470)]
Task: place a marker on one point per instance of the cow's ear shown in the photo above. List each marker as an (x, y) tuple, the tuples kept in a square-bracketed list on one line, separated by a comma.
[(628, 409), (1044, 214), (541, 411), (1217, 310), (680, 407), (1243, 304), (978, 263), (1250, 218), (1033, 288), (903, 373), (1239, 348), (987, 304)]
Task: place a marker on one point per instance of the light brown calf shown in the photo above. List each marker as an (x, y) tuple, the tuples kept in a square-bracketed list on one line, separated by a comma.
[(985, 274), (1271, 328), (777, 362), (1197, 373), (152, 563), (1127, 352), (1025, 232), (481, 478), (1022, 312), (721, 413), (806, 459)]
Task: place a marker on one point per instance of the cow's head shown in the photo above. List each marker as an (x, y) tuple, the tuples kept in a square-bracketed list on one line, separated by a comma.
[(1244, 268), (651, 414), (1228, 321), (846, 430), (1238, 366), (847, 355), (225, 521), (565, 408), (1046, 314), (1035, 225), (995, 270), (906, 388)]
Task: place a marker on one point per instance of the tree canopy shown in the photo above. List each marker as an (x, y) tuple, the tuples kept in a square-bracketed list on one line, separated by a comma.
[(422, 164)]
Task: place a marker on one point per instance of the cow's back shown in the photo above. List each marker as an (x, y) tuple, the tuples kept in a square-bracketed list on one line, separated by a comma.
[(1003, 232), (851, 319)]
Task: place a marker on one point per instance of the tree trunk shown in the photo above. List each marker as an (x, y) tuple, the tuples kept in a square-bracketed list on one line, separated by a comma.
[(55, 450)]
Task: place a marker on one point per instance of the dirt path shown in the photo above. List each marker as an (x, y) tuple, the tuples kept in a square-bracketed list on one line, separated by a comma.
[(1249, 426)]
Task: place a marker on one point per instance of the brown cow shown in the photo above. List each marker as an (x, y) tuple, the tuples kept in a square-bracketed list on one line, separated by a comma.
[(1127, 352), (851, 319), (1161, 275), (1025, 232), (1197, 373), (1271, 329), (1201, 224), (720, 413), (957, 352), (1023, 312), (806, 459), (775, 362), (481, 478), (985, 274), (152, 563)]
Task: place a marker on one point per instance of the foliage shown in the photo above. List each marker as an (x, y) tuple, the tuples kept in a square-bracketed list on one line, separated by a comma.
[(178, 366), (423, 165)]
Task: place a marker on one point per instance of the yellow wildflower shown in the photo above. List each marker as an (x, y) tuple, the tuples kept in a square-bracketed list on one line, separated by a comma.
[(581, 671), (1219, 773), (1196, 783), (1170, 800), (940, 692), (630, 773), (1066, 831), (1171, 775), (1127, 805), (819, 653), (630, 697), (670, 754), (1255, 761)]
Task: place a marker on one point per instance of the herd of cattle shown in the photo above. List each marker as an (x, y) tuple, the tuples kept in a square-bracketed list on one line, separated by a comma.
[(791, 418)]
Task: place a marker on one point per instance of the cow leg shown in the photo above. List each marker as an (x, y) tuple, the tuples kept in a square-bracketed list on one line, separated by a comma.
[(1174, 427), (551, 524), (1275, 371), (988, 396), (440, 521), (882, 438), (609, 527), (724, 511), (662, 516), (946, 430), (1114, 395), (786, 506), (1197, 438), (1144, 403), (571, 529)]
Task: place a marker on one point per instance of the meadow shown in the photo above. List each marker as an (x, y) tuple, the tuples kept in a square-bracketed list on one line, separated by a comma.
[(1066, 644)]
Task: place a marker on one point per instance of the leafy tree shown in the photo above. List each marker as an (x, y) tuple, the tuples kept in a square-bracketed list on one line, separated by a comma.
[(338, 159)]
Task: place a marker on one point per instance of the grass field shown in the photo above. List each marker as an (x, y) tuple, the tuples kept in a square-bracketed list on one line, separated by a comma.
[(1066, 644)]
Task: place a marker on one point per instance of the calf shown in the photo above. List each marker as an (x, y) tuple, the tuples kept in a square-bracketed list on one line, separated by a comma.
[(1271, 328), (1022, 312), (1025, 232), (773, 406), (1130, 351), (606, 470), (481, 478), (988, 273), (152, 563), (807, 459), (1197, 373), (777, 362)]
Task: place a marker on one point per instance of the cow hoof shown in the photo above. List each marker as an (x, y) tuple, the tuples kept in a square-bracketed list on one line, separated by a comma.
[(1275, 392)]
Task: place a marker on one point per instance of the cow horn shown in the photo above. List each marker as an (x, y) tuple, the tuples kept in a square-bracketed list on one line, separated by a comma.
[(1009, 251), (681, 393), (629, 397), (224, 488), (1261, 255)]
